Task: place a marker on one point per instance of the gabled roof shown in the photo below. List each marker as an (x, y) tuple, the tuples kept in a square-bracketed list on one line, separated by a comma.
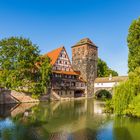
[(53, 55), (112, 79), (84, 41)]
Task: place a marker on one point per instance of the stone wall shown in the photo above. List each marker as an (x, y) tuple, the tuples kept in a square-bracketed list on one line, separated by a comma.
[(84, 59), (7, 97), (62, 94), (98, 89)]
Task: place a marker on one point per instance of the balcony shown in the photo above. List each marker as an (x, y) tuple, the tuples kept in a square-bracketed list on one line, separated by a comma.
[(62, 86)]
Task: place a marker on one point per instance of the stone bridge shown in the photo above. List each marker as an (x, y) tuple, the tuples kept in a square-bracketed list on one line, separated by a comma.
[(98, 89), (108, 83)]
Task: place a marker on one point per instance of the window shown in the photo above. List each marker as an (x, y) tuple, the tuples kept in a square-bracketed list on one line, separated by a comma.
[(78, 61), (73, 84)]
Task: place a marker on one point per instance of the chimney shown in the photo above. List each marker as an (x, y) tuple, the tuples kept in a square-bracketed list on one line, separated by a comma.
[(110, 77)]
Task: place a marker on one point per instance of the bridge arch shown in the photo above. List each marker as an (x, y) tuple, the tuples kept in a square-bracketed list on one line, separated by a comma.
[(103, 93)]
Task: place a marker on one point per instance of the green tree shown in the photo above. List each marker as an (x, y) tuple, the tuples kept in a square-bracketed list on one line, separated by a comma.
[(43, 76), (127, 95), (103, 70), (18, 59), (134, 45)]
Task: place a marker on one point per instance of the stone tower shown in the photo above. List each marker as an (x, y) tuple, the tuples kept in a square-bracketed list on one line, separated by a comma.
[(84, 59)]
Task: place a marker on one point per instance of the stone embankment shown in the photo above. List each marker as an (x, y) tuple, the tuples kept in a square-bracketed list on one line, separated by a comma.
[(7, 97)]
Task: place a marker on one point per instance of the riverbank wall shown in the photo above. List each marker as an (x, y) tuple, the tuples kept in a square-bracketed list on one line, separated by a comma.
[(14, 97), (10, 96)]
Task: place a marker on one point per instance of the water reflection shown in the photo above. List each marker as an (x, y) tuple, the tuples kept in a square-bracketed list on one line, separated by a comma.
[(75, 120)]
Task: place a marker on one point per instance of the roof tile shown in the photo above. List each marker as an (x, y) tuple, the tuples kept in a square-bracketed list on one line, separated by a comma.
[(54, 54)]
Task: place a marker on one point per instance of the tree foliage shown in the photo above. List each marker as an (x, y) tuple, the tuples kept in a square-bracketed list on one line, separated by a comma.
[(18, 58), (43, 76), (134, 45), (103, 70), (126, 92), (126, 99)]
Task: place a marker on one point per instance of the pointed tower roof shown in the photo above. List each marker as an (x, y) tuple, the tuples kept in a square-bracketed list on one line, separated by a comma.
[(84, 41), (53, 55)]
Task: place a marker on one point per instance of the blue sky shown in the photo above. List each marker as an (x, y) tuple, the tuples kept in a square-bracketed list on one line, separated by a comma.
[(53, 23)]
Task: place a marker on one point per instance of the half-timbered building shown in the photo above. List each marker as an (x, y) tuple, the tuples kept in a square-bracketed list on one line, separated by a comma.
[(65, 82)]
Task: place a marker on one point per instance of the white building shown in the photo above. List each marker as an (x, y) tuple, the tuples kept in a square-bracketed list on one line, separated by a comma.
[(108, 83)]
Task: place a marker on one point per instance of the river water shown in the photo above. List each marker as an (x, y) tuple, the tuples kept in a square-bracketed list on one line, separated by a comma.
[(75, 120)]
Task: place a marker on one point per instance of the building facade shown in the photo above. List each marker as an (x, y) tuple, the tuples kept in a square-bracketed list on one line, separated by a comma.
[(84, 59), (65, 82)]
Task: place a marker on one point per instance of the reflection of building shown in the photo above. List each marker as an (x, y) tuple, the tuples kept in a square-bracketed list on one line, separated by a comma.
[(15, 109), (98, 107), (66, 83)]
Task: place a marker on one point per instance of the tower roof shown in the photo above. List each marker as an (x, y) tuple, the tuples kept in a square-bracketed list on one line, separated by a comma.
[(53, 55), (84, 41)]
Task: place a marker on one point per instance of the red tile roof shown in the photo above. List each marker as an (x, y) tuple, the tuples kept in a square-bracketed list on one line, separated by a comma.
[(54, 54)]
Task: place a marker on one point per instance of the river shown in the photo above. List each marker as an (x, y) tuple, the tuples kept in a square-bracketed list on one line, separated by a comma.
[(75, 120)]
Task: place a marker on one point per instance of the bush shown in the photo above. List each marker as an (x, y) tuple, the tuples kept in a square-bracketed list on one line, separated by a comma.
[(126, 92), (123, 94), (109, 106), (134, 107)]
